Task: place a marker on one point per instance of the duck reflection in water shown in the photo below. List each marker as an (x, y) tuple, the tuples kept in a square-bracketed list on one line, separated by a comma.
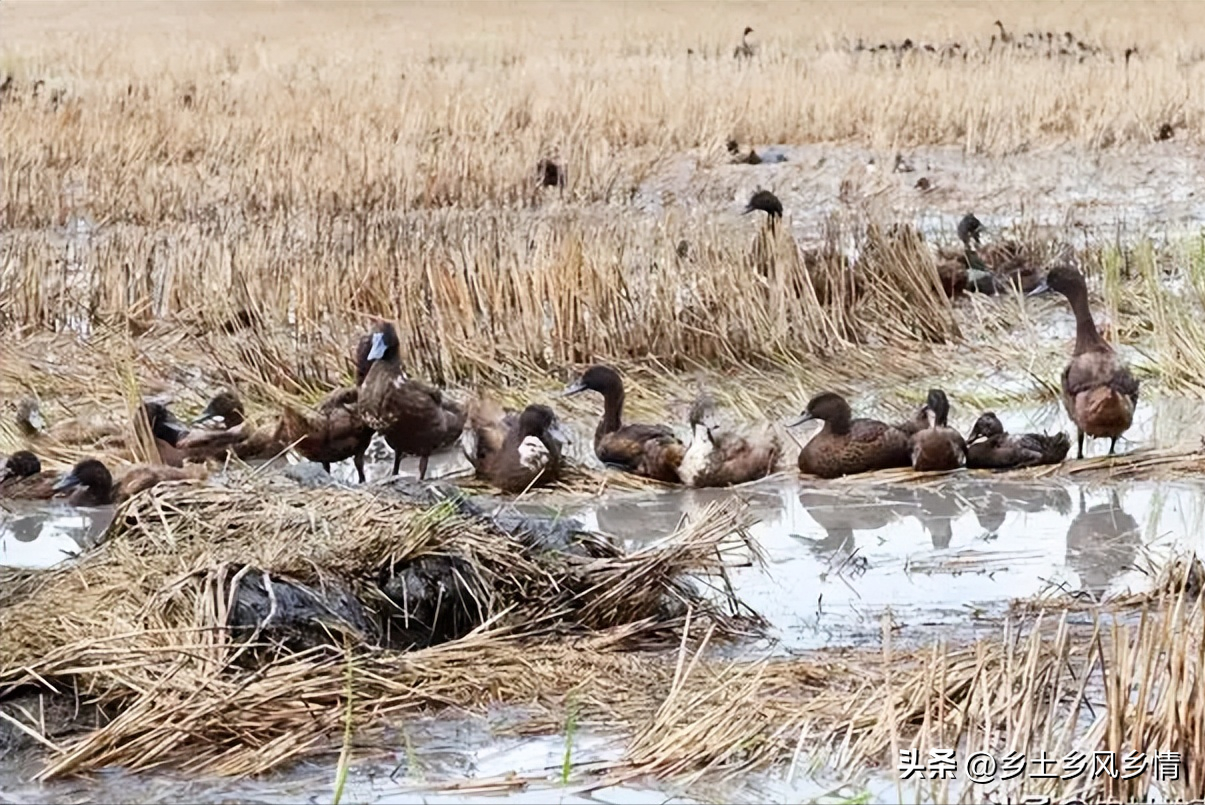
[(992, 505), (841, 514), (650, 517), (1102, 542)]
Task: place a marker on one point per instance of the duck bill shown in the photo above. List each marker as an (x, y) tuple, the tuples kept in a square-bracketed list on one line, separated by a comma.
[(800, 421), (1040, 289), (208, 415), (576, 387), (36, 421), (65, 482), (377, 351)]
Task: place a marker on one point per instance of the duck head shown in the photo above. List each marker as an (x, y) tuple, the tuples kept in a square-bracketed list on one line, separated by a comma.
[(1062, 279), (163, 422), (748, 31), (225, 407), (702, 418), (90, 474), (29, 416), (937, 407), (828, 407), (968, 229), (540, 420), (602, 379), (20, 464), (385, 344), (765, 201), (986, 426)]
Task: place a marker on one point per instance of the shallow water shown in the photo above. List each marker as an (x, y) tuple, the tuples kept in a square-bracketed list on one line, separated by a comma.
[(938, 561)]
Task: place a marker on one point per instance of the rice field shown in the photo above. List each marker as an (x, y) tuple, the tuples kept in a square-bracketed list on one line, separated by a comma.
[(230, 194)]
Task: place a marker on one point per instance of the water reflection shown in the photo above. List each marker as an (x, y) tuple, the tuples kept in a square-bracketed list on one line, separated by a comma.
[(1102, 542), (34, 535), (933, 553)]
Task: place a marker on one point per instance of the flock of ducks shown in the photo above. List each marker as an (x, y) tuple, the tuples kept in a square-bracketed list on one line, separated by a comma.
[(515, 451)]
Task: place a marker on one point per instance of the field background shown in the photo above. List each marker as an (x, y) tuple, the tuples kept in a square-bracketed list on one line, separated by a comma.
[(229, 192)]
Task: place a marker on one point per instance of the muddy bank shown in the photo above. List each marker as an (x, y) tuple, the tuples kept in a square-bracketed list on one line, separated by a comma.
[(1063, 190)]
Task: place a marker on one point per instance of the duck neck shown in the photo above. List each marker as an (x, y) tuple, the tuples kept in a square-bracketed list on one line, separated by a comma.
[(1087, 337), (839, 424), (612, 418)]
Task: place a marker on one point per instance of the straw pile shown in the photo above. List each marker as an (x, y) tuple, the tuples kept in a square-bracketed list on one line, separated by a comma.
[(230, 630)]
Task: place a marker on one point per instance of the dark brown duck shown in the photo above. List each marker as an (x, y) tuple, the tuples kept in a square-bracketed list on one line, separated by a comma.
[(333, 432), (414, 418), (649, 450), (89, 483), (847, 446), (233, 433), (938, 447), (1099, 391), (22, 478), (514, 453), (990, 447)]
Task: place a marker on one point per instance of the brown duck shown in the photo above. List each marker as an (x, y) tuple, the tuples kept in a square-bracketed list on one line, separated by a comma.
[(649, 450), (413, 417), (233, 434), (333, 432), (74, 431), (1099, 392), (22, 478), (514, 453), (718, 458), (990, 447), (937, 447), (168, 432), (90, 483), (847, 446)]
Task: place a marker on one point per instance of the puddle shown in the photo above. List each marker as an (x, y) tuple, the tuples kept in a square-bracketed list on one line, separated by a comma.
[(34, 535), (941, 560)]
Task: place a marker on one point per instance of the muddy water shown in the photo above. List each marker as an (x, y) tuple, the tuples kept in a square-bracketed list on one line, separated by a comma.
[(940, 560)]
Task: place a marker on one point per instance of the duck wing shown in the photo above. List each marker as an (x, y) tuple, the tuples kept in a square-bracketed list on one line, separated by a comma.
[(485, 431), (339, 398), (1095, 369), (650, 450), (872, 430)]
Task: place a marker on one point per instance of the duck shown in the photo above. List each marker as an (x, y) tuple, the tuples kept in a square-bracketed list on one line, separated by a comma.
[(718, 458), (335, 431), (767, 202), (651, 451), (413, 417), (22, 478), (73, 431), (937, 447), (990, 447), (89, 482), (994, 268), (167, 430), (235, 435), (745, 49), (514, 453), (1099, 391), (848, 446)]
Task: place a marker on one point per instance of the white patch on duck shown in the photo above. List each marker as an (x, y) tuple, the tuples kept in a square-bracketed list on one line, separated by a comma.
[(697, 458), (533, 455), (468, 443)]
